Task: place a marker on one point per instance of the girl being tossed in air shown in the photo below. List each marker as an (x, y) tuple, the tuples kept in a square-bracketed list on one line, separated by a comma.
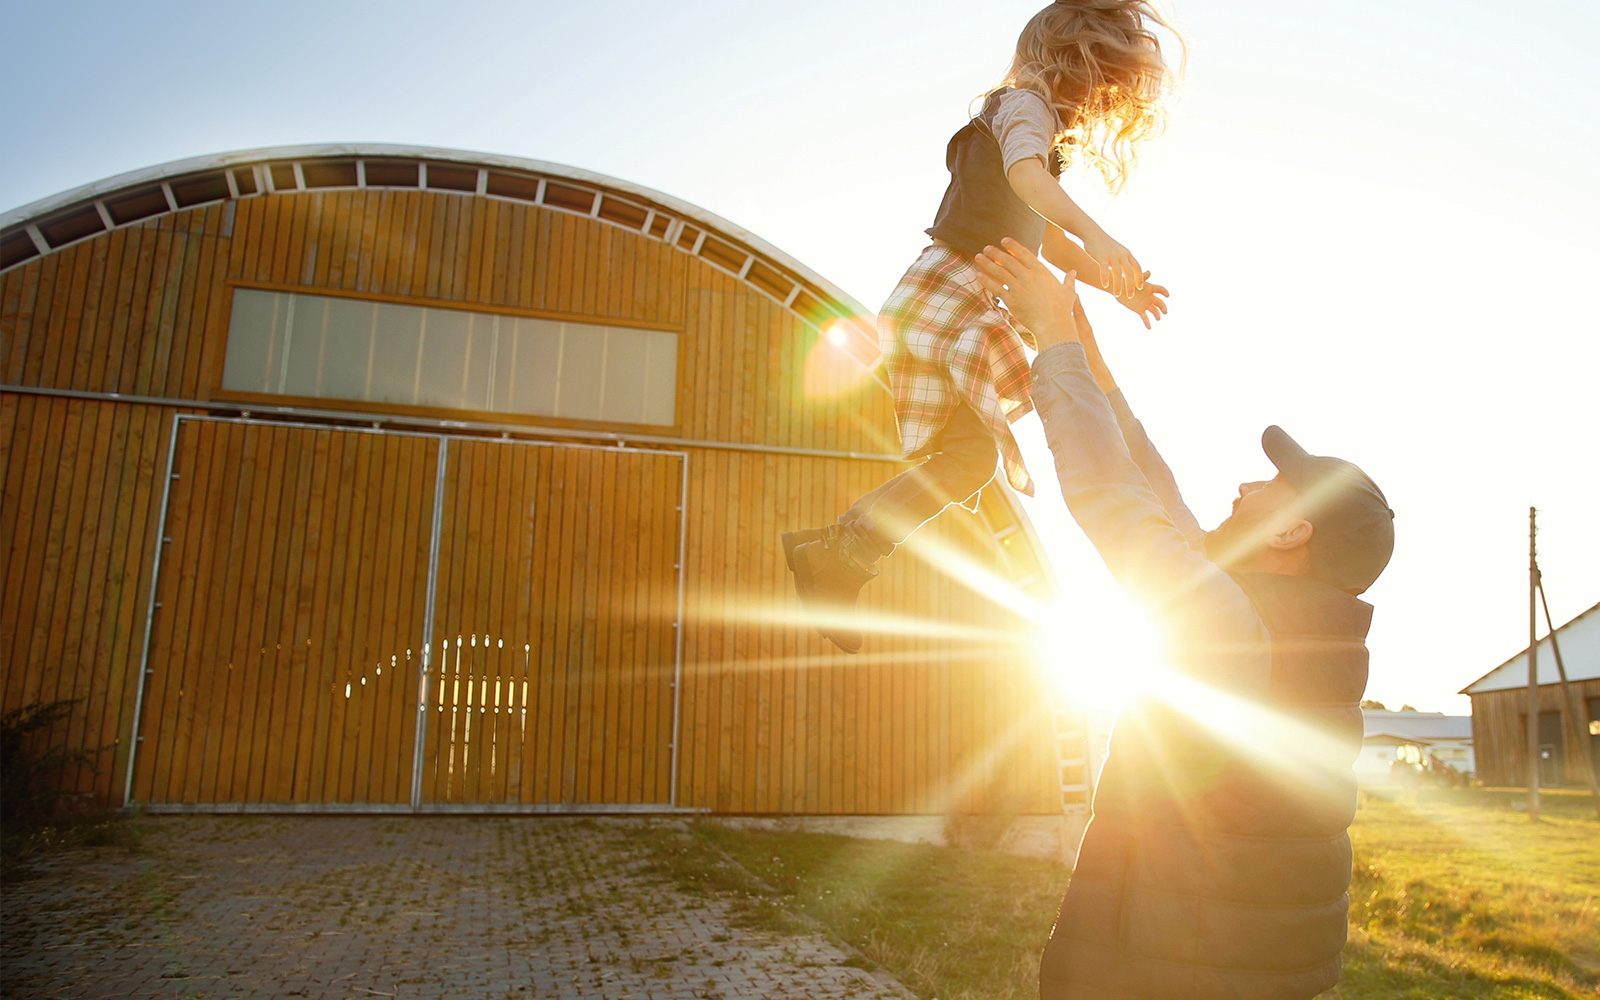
[(1086, 84)]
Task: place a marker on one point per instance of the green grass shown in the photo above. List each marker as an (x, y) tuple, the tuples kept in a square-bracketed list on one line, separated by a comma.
[(1456, 895), (1459, 895)]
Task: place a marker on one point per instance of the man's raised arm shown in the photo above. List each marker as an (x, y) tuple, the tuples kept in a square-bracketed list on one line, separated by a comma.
[(1151, 548)]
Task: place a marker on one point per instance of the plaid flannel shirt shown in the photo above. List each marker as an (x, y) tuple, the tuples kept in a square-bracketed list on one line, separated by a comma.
[(946, 341)]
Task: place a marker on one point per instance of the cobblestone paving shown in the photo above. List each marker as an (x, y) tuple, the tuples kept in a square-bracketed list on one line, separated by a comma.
[(266, 906)]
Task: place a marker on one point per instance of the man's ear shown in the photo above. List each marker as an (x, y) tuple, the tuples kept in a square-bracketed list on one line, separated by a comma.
[(1293, 536)]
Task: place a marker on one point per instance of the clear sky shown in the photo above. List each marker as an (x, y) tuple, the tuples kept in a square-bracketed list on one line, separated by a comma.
[(1378, 220)]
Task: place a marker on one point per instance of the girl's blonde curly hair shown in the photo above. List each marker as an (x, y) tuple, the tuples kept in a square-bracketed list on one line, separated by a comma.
[(1098, 63)]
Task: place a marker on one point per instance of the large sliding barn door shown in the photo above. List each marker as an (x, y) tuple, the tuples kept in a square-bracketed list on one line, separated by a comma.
[(295, 656), (557, 598), (288, 627)]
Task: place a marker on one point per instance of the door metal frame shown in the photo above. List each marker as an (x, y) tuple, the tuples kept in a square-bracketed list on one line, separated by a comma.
[(417, 748), (416, 804)]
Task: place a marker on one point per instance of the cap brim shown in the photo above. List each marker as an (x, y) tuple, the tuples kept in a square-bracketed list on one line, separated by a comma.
[(1285, 453)]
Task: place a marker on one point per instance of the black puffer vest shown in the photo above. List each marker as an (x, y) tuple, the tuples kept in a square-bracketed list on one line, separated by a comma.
[(979, 208), (1217, 864)]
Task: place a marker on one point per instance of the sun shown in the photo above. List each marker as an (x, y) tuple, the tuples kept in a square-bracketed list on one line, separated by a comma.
[(1101, 663)]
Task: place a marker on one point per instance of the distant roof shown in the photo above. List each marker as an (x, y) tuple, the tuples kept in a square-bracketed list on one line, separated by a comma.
[(1416, 726), (1580, 652), (1395, 737)]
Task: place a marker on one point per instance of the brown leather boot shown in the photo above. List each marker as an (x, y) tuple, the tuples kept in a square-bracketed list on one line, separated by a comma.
[(794, 539), (828, 576)]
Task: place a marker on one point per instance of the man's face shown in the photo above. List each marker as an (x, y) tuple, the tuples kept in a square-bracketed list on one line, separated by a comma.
[(1261, 510)]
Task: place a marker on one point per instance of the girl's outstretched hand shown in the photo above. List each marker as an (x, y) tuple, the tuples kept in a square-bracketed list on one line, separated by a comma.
[(1148, 301), (1119, 272)]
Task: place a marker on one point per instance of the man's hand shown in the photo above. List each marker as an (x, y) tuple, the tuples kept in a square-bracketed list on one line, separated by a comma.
[(1148, 301), (1031, 293)]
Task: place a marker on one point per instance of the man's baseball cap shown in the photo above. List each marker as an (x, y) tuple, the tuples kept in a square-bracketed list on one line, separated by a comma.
[(1353, 527)]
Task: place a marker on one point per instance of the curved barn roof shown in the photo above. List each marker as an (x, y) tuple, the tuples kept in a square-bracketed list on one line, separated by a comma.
[(61, 220)]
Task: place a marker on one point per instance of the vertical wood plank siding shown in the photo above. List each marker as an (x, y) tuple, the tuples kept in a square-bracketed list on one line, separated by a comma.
[(299, 557), (1500, 735), (90, 581), (273, 676), (577, 622)]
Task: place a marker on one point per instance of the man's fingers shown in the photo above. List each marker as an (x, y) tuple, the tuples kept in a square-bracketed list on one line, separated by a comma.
[(989, 273), (993, 263), (1005, 264), (1022, 254)]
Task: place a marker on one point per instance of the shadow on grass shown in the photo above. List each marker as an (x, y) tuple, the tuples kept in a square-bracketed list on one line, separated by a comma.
[(1373, 971)]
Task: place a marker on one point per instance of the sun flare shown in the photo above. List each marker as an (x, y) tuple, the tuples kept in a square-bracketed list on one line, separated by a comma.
[(843, 359), (1100, 664)]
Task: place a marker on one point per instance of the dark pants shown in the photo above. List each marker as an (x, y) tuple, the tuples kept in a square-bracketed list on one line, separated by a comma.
[(962, 462)]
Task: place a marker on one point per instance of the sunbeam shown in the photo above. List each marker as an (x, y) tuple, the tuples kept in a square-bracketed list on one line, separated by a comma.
[(964, 570), (1237, 538), (1299, 759), (876, 623)]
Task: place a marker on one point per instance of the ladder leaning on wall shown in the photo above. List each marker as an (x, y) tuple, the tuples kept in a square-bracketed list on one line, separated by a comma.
[(1076, 764)]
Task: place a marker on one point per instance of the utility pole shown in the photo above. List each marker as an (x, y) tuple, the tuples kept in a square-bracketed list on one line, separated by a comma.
[(1533, 666), (1571, 710)]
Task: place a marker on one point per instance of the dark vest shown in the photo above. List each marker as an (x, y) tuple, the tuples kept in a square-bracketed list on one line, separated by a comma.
[(1217, 864), (979, 207)]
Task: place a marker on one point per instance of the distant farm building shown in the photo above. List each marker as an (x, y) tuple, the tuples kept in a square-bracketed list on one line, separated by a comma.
[(1411, 738), (375, 478), (1566, 731)]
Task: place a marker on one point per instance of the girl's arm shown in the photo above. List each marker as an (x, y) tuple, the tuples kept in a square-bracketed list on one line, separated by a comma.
[(1118, 270), (1146, 301)]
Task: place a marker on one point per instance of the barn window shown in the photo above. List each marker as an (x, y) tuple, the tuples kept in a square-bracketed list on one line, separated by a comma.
[(289, 343)]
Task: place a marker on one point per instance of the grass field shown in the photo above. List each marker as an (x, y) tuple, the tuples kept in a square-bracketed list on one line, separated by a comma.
[(1458, 895), (1455, 896)]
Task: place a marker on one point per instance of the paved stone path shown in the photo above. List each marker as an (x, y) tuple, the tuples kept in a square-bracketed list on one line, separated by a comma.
[(413, 907)]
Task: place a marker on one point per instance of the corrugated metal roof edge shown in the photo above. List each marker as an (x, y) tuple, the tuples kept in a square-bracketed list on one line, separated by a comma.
[(33, 211)]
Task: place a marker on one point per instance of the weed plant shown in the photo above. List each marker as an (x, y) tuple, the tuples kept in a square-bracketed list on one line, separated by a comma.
[(37, 813)]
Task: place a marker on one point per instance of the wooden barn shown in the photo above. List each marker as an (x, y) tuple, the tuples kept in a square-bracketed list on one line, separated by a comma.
[(380, 478), (1569, 724)]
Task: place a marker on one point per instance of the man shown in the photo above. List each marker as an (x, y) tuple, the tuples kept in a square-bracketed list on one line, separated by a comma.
[(1217, 862)]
